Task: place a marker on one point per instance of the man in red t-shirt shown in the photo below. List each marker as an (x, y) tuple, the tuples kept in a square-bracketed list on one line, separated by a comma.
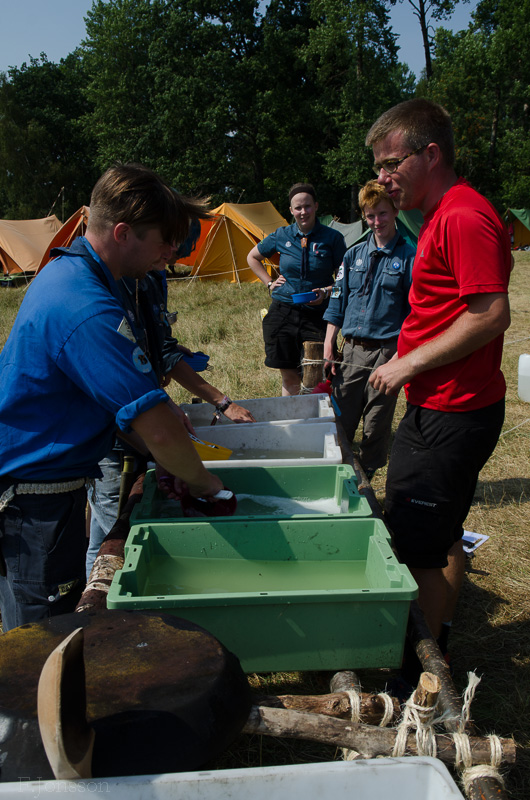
[(449, 350)]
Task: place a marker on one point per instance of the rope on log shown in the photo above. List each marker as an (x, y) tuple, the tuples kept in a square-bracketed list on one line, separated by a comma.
[(419, 713), (373, 709), (367, 740)]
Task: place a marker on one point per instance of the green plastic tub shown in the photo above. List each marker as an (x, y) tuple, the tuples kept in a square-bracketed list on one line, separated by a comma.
[(304, 594), (265, 492)]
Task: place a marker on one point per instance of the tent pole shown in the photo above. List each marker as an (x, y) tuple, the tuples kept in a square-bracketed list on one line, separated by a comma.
[(234, 264)]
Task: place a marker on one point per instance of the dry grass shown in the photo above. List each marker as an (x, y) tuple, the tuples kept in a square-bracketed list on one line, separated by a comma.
[(491, 632)]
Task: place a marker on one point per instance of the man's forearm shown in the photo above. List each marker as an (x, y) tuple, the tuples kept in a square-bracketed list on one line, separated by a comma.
[(482, 322), (486, 317), (170, 445), (186, 376)]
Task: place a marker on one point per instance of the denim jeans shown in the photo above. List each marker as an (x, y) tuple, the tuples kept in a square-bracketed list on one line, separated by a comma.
[(103, 501), (43, 544)]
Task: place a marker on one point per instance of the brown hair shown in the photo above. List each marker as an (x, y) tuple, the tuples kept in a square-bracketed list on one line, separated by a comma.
[(372, 194), (421, 121), (298, 188), (136, 195)]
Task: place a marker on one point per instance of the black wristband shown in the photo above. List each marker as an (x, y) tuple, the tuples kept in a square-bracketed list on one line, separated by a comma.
[(223, 405)]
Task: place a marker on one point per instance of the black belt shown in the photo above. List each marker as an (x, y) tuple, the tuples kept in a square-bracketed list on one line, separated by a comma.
[(370, 344)]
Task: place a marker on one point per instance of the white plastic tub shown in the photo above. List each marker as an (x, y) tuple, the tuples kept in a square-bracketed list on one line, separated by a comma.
[(275, 444), (300, 408), (417, 778)]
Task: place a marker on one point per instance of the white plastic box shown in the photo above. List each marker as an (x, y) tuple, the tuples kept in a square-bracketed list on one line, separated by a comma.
[(299, 408), (415, 778), (275, 444)]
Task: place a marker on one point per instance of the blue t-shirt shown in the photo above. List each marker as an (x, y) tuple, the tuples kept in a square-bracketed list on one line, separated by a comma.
[(325, 250), (71, 371), (379, 312)]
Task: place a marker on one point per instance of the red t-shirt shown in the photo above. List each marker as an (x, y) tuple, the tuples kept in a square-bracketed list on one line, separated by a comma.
[(463, 249)]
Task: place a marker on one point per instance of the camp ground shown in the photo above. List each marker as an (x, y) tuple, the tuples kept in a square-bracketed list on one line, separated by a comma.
[(268, 714)]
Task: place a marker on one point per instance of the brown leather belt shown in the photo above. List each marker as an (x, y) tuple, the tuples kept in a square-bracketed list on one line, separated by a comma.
[(370, 344)]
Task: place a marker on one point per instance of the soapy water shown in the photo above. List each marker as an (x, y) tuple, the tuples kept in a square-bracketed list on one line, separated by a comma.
[(272, 505)]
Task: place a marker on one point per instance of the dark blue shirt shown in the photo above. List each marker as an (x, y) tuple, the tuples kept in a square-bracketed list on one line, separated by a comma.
[(146, 304), (71, 371), (325, 252), (379, 312)]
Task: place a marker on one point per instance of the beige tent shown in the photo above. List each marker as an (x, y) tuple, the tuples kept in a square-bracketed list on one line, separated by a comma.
[(23, 243), (236, 228)]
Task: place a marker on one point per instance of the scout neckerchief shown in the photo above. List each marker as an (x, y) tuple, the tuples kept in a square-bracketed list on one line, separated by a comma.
[(304, 266), (375, 255)]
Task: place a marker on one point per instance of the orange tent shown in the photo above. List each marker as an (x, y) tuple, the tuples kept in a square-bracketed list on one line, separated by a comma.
[(221, 253), (73, 227), (23, 242)]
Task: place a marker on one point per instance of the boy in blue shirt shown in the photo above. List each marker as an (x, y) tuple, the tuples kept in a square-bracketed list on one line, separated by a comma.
[(369, 302)]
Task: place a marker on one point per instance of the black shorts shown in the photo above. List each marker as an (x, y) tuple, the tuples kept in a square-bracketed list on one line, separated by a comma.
[(286, 328), (432, 475)]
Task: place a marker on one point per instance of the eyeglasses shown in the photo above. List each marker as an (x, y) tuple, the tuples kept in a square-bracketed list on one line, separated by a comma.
[(391, 164)]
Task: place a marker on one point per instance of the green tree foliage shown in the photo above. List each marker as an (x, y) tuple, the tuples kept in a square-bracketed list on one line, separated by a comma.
[(238, 100), (42, 147), (354, 53), (483, 79)]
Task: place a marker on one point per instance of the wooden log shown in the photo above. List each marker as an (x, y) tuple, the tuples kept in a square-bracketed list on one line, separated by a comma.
[(110, 556), (432, 661), (313, 370), (345, 681), (426, 694), (338, 704), (365, 739)]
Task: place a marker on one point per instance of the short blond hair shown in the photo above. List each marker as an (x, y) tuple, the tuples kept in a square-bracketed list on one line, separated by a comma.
[(372, 194)]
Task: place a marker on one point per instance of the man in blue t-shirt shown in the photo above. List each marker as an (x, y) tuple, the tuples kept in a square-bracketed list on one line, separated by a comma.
[(369, 301), (72, 375)]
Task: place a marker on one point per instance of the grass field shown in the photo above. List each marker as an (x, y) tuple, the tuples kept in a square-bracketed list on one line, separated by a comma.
[(491, 631)]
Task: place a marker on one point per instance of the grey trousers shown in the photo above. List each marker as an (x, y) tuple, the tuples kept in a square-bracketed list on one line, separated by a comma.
[(358, 400)]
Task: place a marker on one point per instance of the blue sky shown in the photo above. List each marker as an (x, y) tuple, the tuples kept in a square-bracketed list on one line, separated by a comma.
[(56, 27)]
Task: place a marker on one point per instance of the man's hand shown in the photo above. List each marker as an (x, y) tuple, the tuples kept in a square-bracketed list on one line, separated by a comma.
[(170, 485), (390, 377), (238, 413), (330, 348)]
